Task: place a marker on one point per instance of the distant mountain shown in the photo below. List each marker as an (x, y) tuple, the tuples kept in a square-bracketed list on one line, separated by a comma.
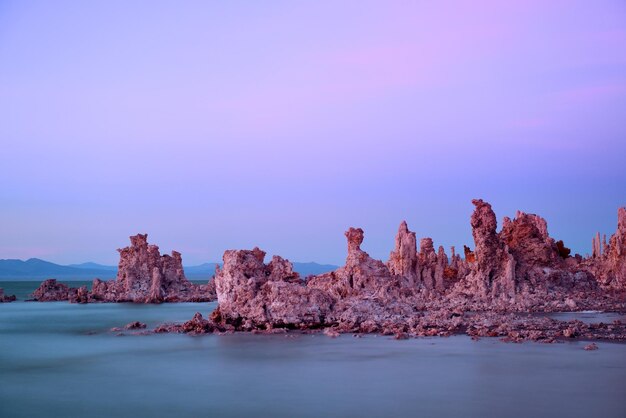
[(306, 269), (95, 266), (36, 269), (203, 271), (207, 270)]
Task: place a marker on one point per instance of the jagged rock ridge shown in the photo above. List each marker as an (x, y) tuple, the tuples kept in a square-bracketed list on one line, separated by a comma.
[(519, 269)]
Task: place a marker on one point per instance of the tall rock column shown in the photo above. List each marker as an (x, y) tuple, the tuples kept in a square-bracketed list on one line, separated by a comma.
[(610, 266), (403, 259), (493, 274), (427, 263)]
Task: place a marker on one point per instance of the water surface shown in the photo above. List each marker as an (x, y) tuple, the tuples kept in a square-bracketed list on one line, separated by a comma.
[(59, 360)]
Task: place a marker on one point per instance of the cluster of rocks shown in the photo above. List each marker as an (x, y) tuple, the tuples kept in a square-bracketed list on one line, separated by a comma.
[(490, 292), (144, 276), (417, 292), (6, 298), (509, 327), (608, 262)]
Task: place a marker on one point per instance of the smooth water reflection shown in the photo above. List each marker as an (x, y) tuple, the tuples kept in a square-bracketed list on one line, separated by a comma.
[(59, 360)]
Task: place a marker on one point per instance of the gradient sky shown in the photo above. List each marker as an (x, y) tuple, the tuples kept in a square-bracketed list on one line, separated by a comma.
[(218, 125)]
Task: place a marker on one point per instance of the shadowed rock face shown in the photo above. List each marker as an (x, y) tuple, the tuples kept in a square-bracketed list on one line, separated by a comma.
[(144, 276)]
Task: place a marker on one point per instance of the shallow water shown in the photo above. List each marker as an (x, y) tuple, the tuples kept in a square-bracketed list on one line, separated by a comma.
[(59, 360)]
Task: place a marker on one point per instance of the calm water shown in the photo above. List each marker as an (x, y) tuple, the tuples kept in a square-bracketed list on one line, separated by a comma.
[(58, 360)]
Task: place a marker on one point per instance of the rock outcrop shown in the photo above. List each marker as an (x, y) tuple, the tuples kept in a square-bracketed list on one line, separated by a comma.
[(252, 294), (6, 298), (403, 259), (426, 270), (417, 292), (51, 291), (360, 275), (519, 269), (608, 261), (144, 276), (492, 275)]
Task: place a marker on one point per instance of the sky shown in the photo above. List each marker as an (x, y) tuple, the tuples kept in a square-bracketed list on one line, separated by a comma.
[(279, 124)]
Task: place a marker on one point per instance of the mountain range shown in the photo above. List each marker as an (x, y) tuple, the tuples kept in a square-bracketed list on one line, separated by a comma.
[(37, 269)]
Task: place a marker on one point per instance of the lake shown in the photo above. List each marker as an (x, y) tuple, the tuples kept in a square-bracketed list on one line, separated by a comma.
[(60, 360)]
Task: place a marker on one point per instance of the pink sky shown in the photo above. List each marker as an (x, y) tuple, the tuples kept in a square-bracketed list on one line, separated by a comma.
[(228, 125)]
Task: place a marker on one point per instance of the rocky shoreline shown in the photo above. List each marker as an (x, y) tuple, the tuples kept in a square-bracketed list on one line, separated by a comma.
[(491, 292), (510, 327)]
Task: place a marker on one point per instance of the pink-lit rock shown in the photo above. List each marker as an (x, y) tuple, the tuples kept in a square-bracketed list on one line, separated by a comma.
[(403, 259), (425, 293), (50, 290), (609, 264), (252, 294), (493, 273), (144, 276)]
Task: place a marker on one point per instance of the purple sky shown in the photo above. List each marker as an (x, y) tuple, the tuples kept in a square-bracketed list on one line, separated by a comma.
[(217, 125)]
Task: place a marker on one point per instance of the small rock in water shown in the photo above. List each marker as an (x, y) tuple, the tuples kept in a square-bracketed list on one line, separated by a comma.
[(331, 333), (591, 347), (135, 325), (569, 333)]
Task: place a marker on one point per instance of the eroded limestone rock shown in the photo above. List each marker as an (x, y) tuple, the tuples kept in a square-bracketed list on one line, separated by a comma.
[(50, 290), (252, 294), (608, 263), (144, 276)]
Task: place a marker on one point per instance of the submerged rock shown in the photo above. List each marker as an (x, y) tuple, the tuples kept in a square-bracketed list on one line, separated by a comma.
[(135, 325)]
